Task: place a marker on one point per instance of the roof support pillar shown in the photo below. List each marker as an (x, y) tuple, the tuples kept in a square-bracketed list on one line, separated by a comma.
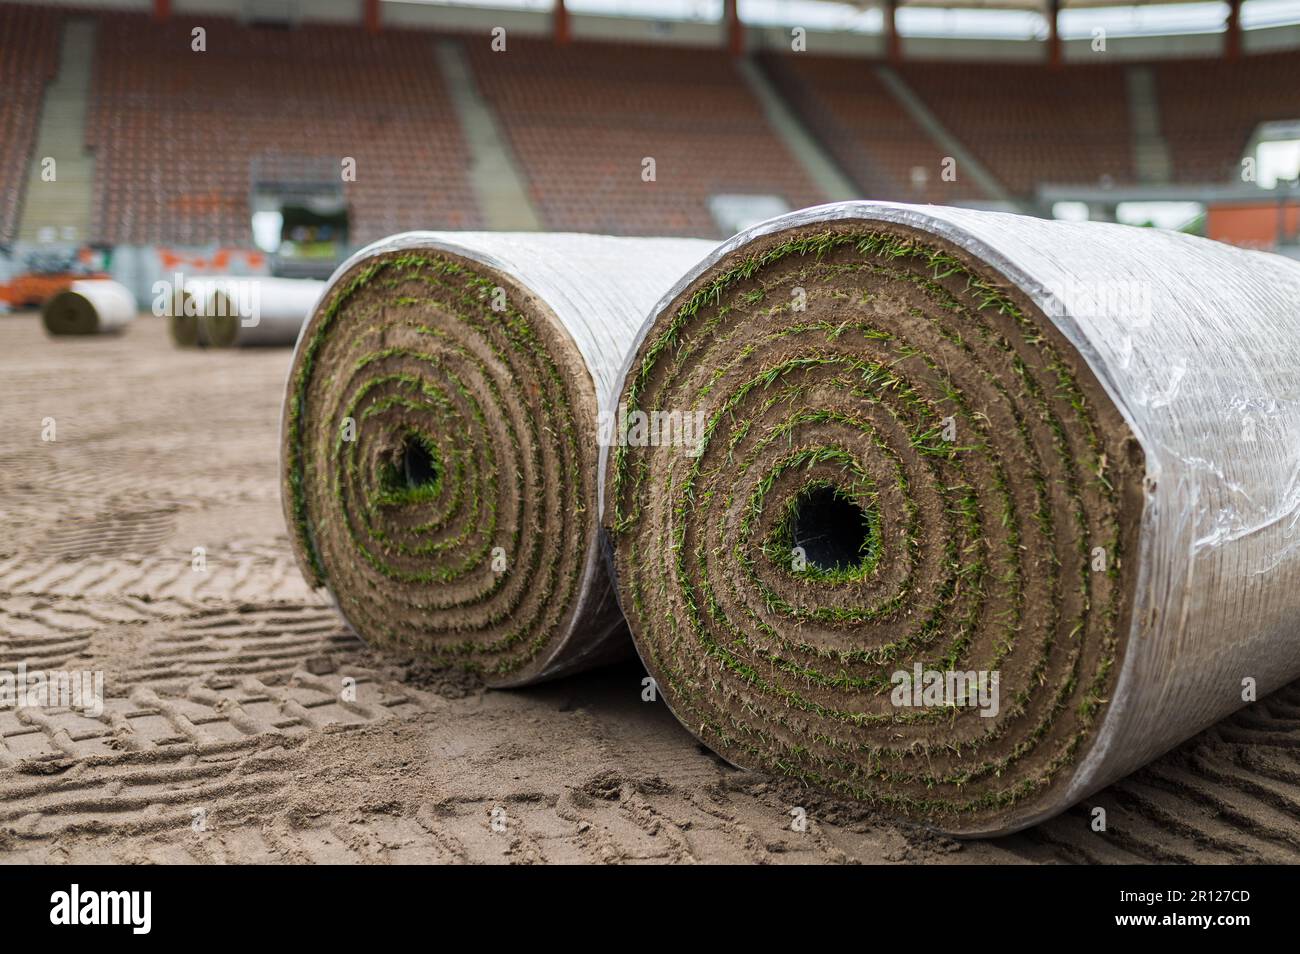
[(1232, 38), (735, 29), (893, 47), (1055, 57), (560, 24)]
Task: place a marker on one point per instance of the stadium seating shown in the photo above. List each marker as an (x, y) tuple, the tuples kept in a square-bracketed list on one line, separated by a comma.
[(177, 133), (1208, 115), (867, 132), (29, 59), (179, 136), (1030, 124), (581, 118)]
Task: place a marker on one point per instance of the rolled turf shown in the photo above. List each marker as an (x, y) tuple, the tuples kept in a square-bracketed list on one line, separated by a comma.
[(440, 442), (89, 307), (940, 442), (257, 312), (243, 311)]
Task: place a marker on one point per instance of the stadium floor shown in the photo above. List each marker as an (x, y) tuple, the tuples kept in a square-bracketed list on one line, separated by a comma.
[(223, 736)]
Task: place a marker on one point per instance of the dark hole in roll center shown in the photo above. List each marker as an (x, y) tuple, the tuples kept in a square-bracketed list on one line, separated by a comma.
[(418, 464), (831, 529)]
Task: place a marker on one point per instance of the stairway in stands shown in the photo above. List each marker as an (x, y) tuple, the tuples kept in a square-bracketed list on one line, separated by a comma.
[(59, 210), (785, 122), (1150, 151), (494, 173)]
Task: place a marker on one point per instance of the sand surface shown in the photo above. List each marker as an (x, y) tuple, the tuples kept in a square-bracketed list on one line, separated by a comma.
[(228, 733)]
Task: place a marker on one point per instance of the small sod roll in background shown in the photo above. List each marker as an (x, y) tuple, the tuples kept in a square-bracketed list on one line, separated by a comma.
[(91, 306), (243, 311)]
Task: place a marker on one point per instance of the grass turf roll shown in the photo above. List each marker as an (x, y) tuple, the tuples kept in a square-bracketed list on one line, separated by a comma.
[(242, 311), (89, 307), (982, 517), (257, 311), (440, 442)]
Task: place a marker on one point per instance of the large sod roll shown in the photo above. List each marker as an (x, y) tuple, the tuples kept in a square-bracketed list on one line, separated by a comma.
[(440, 442), (941, 446), (256, 312), (91, 306)]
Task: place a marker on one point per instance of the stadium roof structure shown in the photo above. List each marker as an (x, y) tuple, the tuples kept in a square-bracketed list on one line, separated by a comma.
[(1036, 6), (1028, 6), (1050, 10), (1051, 22)]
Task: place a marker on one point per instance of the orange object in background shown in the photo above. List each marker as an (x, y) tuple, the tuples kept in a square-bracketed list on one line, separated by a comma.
[(218, 262), (1257, 225), (31, 290)]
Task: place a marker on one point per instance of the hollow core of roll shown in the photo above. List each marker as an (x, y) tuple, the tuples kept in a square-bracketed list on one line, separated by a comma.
[(830, 528)]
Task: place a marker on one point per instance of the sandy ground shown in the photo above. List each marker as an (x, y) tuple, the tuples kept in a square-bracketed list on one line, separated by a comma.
[(227, 734)]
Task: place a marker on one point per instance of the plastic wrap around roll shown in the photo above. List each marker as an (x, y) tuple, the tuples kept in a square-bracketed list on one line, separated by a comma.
[(244, 311), (258, 312), (440, 442), (91, 306), (986, 511)]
